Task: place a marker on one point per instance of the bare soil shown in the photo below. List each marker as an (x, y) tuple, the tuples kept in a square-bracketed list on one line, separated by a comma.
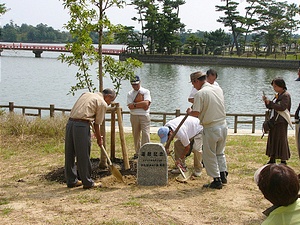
[(43, 198)]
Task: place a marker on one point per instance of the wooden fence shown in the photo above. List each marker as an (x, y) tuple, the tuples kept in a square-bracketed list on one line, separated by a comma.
[(159, 118)]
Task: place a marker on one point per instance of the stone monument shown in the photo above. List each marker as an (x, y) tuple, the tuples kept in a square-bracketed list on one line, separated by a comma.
[(152, 168)]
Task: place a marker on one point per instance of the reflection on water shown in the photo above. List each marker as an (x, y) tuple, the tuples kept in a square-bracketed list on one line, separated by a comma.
[(31, 81)]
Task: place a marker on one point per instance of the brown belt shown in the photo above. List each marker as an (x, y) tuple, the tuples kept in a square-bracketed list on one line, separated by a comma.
[(79, 120)]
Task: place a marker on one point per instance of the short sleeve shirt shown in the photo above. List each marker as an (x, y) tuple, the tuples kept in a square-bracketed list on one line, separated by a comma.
[(90, 106), (209, 102), (130, 99), (189, 129)]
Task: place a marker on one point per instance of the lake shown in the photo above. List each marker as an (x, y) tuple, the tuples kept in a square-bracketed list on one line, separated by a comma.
[(30, 81)]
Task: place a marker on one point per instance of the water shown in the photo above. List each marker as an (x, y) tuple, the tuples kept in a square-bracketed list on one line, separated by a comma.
[(30, 81)]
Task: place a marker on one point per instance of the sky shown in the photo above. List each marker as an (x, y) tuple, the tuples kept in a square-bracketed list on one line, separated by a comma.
[(195, 14)]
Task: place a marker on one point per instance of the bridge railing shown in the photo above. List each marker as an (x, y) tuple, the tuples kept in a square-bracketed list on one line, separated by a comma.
[(157, 118)]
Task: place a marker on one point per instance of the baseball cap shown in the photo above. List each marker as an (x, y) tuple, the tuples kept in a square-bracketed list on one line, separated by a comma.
[(163, 134), (196, 75), (136, 80)]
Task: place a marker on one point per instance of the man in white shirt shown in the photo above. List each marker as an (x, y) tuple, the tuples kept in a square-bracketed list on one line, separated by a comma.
[(190, 131), (138, 101)]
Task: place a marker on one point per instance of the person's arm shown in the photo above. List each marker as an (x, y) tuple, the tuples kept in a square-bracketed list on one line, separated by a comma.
[(139, 105), (181, 157), (98, 134), (284, 102), (191, 100), (192, 113)]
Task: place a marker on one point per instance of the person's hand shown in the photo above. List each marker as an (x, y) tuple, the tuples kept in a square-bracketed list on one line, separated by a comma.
[(100, 141), (188, 110), (178, 162), (131, 106)]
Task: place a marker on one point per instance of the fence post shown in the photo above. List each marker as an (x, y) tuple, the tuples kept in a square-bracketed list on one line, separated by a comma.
[(253, 124), (235, 124), (11, 107), (51, 110), (177, 112)]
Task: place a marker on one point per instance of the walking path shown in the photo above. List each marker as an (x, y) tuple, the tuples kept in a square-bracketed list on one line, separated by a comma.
[(153, 130)]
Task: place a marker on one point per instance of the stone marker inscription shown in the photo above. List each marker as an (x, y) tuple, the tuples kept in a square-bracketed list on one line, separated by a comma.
[(152, 165)]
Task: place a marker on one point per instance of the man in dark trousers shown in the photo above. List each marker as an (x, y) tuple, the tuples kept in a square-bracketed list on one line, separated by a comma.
[(90, 107)]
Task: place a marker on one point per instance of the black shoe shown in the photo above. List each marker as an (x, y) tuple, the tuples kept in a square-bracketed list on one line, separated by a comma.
[(224, 177), (216, 184)]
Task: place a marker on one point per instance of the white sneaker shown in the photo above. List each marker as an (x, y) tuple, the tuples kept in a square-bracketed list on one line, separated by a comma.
[(197, 174)]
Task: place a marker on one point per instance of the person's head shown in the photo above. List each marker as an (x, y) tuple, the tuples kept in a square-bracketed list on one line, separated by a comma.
[(278, 85), (164, 133), (279, 184), (211, 76), (136, 83), (198, 79), (109, 95)]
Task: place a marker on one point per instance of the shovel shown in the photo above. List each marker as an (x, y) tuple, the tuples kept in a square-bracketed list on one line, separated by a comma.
[(183, 177), (114, 171)]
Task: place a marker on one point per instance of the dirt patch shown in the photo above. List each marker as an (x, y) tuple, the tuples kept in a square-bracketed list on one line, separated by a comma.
[(33, 191), (57, 175)]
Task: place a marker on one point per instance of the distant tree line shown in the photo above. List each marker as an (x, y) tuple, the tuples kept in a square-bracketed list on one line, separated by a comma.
[(267, 25), (27, 33)]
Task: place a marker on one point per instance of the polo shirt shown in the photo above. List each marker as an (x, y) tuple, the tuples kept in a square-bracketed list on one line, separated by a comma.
[(90, 106), (209, 102)]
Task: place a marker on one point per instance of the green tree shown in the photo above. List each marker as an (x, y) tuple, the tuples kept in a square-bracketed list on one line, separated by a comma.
[(233, 20), (192, 44), (131, 38), (216, 41), (276, 22), (9, 32), (169, 26), (160, 23)]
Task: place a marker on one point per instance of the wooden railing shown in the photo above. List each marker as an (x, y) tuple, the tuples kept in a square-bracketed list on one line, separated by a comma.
[(159, 118)]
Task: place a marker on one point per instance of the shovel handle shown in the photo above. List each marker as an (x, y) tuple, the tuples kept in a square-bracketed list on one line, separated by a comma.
[(181, 171), (175, 132), (103, 149)]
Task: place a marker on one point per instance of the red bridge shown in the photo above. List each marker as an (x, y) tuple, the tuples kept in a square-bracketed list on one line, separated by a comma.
[(38, 49)]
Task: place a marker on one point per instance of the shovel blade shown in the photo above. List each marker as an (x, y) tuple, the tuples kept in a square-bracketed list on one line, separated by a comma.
[(116, 173), (184, 177)]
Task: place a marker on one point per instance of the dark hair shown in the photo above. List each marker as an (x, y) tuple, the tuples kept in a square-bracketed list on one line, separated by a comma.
[(279, 184), (212, 72), (109, 91), (279, 82)]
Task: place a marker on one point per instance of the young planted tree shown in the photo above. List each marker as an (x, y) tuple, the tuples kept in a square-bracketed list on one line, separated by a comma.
[(3, 9), (88, 16)]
